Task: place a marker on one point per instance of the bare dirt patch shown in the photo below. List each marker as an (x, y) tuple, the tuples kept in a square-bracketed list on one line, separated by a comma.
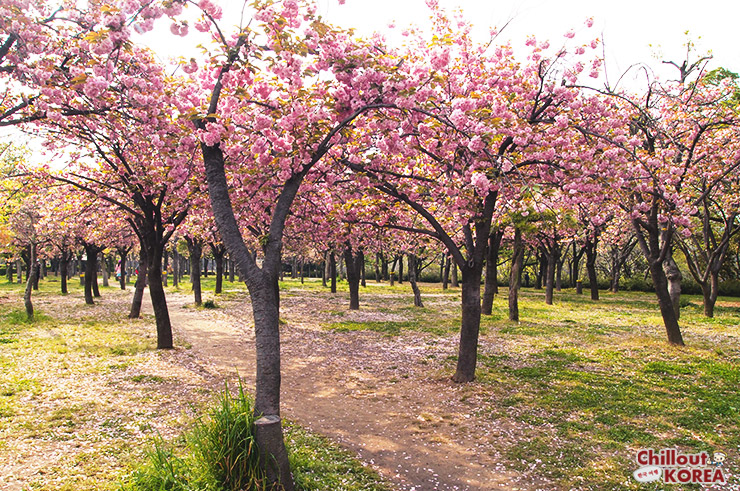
[(388, 398)]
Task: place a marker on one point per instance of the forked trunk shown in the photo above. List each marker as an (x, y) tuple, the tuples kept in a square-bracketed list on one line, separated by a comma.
[(666, 305)]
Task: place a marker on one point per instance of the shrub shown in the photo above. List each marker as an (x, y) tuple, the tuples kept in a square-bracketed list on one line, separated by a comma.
[(220, 454)]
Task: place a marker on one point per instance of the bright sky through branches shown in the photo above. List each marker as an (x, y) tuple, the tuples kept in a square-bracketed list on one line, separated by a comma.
[(634, 31)]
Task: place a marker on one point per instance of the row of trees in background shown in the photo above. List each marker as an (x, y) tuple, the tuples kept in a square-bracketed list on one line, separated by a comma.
[(297, 138)]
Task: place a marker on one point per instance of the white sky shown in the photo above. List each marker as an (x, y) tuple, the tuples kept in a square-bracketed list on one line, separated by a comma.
[(628, 27), (633, 31)]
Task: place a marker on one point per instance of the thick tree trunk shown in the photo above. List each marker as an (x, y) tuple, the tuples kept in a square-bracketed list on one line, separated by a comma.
[(205, 267), (674, 277), (710, 292), (37, 275), (29, 284), (655, 242), (517, 260), (195, 250), (453, 279), (352, 261), (19, 268), (264, 293), (232, 270), (63, 265), (660, 282), (491, 286), (470, 325), (157, 295), (412, 279), (90, 267), (400, 269), (219, 258), (377, 268), (139, 286), (590, 248)]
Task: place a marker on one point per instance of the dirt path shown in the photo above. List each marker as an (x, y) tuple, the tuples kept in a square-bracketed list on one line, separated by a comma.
[(383, 397)]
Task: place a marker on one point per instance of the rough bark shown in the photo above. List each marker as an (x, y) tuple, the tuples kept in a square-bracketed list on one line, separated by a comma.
[(674, 277), (654, 242), (515, 275), (353, 263), (454, 279), (470, 324), (91, 266), (590, 249), (156, 293), (63, 266)]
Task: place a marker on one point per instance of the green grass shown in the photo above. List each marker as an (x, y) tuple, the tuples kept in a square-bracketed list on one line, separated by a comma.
[(586, 383), (106, 393), (219, 453)]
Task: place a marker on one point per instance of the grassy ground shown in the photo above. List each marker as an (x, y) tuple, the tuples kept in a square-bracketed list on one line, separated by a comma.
[(84, 394), (586, 384)]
